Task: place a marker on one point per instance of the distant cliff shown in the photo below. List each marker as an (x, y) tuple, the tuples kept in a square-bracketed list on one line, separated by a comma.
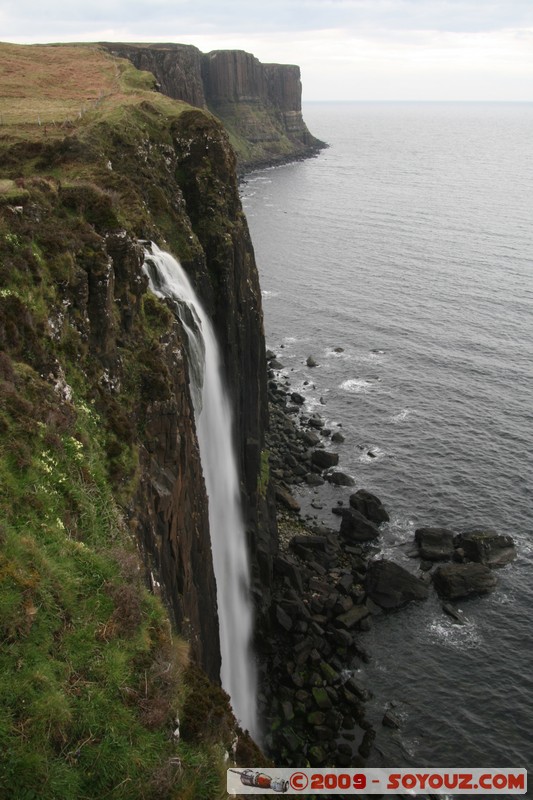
[(259, 104)]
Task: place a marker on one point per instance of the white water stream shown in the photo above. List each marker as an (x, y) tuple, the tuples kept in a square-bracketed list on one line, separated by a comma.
[(214, 428)]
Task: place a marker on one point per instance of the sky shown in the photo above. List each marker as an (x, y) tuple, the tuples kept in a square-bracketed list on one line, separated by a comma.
[(346, 49)]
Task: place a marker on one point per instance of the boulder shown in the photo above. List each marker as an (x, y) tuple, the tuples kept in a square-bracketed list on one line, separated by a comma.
[(434, 544), (357, 528), (391, 586), (390, 720), (487, 547), (353, 685), (315, 421), (297, 398), (288, 567), (340, 479), (284, 497), (454, 613), (283, 618), (337, 437), (308, 541), (321, 698), (324, 459), (369, 506), (463, 580), (352, 617), (311, 361)]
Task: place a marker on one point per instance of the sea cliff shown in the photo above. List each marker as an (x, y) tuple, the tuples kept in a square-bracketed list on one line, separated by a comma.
[(108, 596), (259, 104)]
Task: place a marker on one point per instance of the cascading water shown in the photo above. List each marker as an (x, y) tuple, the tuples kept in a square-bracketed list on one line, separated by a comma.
[(214, 429)]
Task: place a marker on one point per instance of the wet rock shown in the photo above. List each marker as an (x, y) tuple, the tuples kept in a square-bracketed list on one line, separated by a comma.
[(275, 364), (285, 498), (283, 618), (391, 586), (324, 459), (357, 528), (343, 604), (338, 438), (321, 698), (299, 399), (340, 479), (390, 720), (316, 718), (365, 747), (341, 637), (369, 506), (311, 361), (308, 541), (353, 685), (288, 711), (317, 755), (463, 580), (293, 742), (434, 544), (352, 617), (329, 674), (315, 421), (310, 439), (454, 613), (314, 480), (289, 568), (487, 547)]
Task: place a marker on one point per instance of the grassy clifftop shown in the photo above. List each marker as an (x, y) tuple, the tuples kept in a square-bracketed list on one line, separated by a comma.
[(93, 676)]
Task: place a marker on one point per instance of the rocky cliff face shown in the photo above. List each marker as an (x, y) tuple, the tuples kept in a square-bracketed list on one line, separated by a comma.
[(259, 104), (166, 174), (101, 487)]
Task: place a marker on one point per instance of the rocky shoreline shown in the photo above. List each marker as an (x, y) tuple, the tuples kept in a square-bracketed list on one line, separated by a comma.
[(329, 585)]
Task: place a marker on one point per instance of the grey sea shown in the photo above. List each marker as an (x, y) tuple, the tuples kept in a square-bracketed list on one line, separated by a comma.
[(408, 243)]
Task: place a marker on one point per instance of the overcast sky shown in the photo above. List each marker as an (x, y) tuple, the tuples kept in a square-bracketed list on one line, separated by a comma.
[(347, 49)]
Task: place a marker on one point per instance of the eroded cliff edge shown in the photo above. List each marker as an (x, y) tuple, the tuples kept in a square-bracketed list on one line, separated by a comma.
[(259, 104), (98, 433)]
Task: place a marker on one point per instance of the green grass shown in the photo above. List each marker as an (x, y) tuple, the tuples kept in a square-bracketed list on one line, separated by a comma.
[(81, 637)]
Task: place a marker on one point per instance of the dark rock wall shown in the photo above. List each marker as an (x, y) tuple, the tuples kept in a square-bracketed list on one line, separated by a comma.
[(233, 76), (228, 284), (258, 103), (169, 510), (177, 68), (190, 187)]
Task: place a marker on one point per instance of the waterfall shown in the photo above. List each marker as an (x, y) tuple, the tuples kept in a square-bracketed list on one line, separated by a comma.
[(214, 428)]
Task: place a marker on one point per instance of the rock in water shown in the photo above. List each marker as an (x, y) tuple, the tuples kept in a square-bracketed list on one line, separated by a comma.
[(369, 506), (340, 478), (454, 613), (311, 362), (391, 586), (434, 544), (487, 547), (357, 528), (324, 459), (463, 580)]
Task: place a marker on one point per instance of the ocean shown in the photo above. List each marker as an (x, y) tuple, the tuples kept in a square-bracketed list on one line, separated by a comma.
[(408, 243)]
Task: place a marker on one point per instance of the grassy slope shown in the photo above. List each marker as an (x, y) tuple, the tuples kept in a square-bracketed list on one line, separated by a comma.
[(92, 676)]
